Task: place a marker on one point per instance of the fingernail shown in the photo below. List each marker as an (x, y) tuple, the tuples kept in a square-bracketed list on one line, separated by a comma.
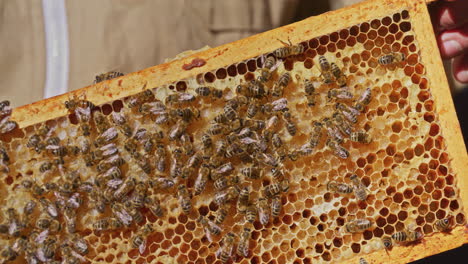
[(462, 76), (452, 47)]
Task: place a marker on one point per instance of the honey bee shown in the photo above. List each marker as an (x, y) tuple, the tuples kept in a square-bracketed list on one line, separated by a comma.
[(224, 182), (107, 76), (224, 169), (139, 239), (269, 65), (35, 143), (139, 195), (263, 211), (114, 223), (153, 204), (202, 179), (243, 247), (112, 161), (363, 261), (358, 225), (120, 120), (142, 162), (179, 98), (407, 236), (184, 198), (272, 190), (325, 70), (49, 207), (221, 215), (225, 252), (106, 137), (177, 130), (250, 89), (349, 112), (33, 187), (7, 125), (361, 137), (280, 84), (28, 209), (70, 219), (267, 159), (210, 227), (101, 122), (160, 183), (311, 99), (122, 214), (226, 195), (342, 124), (316, 134), (363, 100), (79, 244), (339, 93), (252, 172), (360, 189), (288, 50), (340, 78), (394, 57), (339, 187), (387, 242), (251, 213), (254, 124), (243, 200), (442, 224), (337, 150), (140, 98), (14, 223), (74, 103), (333, 130), (5, 108), (276, 206), (187, 114), (252, 109), (126, 187), (102, 224), (206, 141), (204, 90), (160, 156)]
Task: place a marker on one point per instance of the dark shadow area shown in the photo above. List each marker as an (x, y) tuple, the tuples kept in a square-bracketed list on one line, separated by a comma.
[(458, 255), (460, 100)]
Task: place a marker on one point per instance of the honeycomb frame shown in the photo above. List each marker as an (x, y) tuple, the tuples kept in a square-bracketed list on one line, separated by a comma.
[(254, 46)]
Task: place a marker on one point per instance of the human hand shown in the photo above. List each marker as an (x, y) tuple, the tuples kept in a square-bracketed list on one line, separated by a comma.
[(450, 21)]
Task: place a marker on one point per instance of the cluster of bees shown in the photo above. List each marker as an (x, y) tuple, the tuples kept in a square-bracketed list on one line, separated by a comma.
[(242, 144)]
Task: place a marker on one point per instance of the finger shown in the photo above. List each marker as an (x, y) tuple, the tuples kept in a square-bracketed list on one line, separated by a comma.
[(449, 14), (460, 68), (453, 42)]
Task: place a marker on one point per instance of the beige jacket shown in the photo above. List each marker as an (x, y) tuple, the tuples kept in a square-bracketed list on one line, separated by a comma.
[(125, 35)]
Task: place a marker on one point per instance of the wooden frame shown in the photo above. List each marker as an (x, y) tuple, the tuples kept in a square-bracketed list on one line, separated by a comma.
[(304, 30)]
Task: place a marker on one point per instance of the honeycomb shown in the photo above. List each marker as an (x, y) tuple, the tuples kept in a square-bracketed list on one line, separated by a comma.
[(406, 168)]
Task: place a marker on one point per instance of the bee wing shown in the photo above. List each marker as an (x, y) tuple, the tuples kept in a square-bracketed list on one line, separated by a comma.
[(124, 217), (142, 247), (186, 97), (110, 133), (114, 183), (365, 94), (112, 159), (279, 104), (76, 255), (12, 227), (52, 147), (42, 236), (118, 118), (40, 255), (208, 235), (83, 112), (277, 64), (247, 140), (272, 121)]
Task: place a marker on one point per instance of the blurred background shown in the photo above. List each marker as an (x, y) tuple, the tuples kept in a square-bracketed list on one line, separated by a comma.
[(51, 47)]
